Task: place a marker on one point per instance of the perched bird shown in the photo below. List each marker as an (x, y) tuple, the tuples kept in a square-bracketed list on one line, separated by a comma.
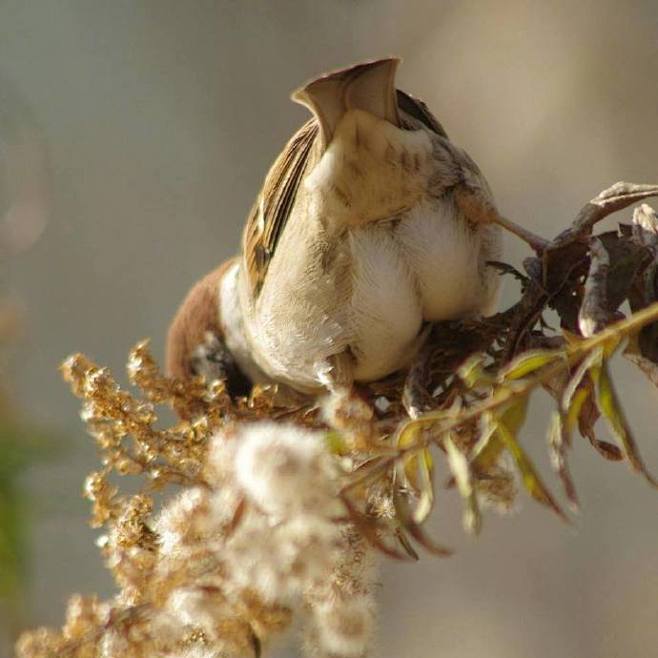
[(371, 224)]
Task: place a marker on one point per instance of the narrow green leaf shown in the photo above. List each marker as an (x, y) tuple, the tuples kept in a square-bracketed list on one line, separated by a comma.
[(579, 408), (529, 475), (514, 414), (461, 469), (472, 372), (574, 385), (610, 408), (415, 472), (529, 362), (408, 435), (558, 443), (488, 447), (584, 413), (416, 468), (572, 412), (426, 486)]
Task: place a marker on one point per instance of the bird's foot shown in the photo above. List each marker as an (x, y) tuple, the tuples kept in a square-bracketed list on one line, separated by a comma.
[(534, 241)]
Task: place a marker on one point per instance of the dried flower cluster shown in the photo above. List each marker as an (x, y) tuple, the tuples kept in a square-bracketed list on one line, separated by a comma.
[(257, 534), (225, 563), (279, 501)]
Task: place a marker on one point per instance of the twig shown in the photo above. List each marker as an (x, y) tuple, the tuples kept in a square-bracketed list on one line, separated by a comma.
[(616, 197), (504, 395)]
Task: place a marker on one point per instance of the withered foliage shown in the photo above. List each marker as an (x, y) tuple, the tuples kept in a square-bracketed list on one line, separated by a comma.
[(464, 402)]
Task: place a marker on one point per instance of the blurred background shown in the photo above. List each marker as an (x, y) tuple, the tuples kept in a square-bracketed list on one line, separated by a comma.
[(134, 135)]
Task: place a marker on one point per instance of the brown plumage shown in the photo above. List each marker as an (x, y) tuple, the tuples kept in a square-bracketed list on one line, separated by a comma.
[(268, 216), (197, 316)]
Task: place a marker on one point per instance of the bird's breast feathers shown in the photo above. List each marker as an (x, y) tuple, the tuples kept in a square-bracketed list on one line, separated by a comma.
[(387, 279), (424, 267)]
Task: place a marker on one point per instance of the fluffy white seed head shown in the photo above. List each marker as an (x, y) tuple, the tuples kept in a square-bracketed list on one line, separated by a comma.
[(113, 644), (344, 626), (191, 606), (176, 518), (269, 520), (285, 470), (282, 560), (197, 652)]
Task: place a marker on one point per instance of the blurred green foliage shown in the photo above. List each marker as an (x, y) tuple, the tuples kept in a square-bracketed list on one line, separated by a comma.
[(22, 444)]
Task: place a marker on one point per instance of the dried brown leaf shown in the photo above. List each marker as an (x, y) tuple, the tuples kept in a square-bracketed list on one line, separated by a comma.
[(407, 521)]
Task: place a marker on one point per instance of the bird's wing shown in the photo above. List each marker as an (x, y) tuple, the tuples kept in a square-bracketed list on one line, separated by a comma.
[(270, 213), (418, 110)]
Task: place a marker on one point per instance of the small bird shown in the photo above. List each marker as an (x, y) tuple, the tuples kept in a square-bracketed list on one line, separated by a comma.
[(371, 224)]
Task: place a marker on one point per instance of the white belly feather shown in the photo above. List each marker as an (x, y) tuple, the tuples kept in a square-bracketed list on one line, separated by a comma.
[(445, 255), (386, 311), (425, 268)]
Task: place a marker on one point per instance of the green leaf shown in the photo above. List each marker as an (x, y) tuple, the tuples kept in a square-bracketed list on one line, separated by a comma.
[(529, 362), (572, 413), (489, 446), (578, 408), (426, 488), (415, 471), (514, 414), (558, 442), (574, 385), (472, 372), (461, 469), (586, 413), (610, 408), (529, 475)]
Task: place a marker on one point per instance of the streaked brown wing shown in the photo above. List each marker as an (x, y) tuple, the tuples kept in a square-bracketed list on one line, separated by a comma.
[(418, 110), (270, 213)]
